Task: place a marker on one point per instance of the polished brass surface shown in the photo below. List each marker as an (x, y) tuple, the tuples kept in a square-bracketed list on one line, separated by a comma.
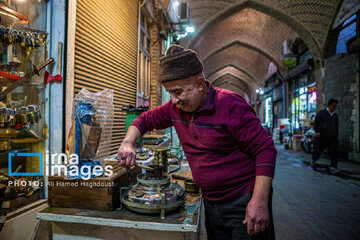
[(34, 114), (23, 115), (190, 186), (2, 116), (10, 117)]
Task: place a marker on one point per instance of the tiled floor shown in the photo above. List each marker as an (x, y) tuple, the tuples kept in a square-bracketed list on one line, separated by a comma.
[(310, 204)]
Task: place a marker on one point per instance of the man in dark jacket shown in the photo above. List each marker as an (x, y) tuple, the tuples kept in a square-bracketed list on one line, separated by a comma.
[(326, 133)]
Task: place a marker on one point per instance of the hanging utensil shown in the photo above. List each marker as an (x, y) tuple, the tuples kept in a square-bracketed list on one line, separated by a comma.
[(27, 77)]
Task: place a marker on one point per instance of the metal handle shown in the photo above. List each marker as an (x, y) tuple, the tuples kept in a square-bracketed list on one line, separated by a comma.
[(45, 64), (121, 189)]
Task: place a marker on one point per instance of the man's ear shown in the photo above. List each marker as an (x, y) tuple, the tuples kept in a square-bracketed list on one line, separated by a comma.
[(200, 83)]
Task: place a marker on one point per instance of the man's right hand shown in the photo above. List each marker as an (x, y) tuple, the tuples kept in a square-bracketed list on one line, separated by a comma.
[(126, 154), (317, 134)]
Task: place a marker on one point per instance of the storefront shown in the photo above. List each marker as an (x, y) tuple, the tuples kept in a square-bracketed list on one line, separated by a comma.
[(268, 108), (108, 49), (22, 127), (303, 107), (31, 55), (278, 105), (303, 96)]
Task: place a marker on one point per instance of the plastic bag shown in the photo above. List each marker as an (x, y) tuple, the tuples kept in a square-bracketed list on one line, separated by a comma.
[(91, 129)]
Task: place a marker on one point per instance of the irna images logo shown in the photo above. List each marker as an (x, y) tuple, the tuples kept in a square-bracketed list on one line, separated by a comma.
[(61, 163), (15, 154)]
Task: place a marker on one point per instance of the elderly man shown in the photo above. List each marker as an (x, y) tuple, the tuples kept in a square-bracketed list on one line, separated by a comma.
[(230, 155)]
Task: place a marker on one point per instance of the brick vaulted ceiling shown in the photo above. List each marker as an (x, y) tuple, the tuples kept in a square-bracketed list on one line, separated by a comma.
[(240, 58), (237, 39)]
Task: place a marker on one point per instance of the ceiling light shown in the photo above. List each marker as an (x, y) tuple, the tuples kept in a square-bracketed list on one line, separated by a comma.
[(190, 29), (176, 3)]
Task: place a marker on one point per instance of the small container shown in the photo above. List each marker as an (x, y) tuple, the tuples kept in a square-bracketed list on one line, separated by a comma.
[(190, 186)]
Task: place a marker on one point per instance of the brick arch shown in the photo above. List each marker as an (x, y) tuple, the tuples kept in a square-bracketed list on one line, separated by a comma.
[(236, 81), (229, 67), (246, 45), (231, 42), (266, 8), (247, 60), (238, 73), (235, 88)]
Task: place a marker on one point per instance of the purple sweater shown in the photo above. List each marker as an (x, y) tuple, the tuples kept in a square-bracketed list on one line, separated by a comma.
[(224, 143)]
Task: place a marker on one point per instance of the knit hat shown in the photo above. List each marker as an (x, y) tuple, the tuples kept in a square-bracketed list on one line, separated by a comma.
[(178, 63)]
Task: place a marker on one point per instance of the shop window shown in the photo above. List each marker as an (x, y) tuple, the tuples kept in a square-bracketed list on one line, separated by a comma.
[(303, 106), (348, 32), (268, 111), (22, 111), (144, 67)]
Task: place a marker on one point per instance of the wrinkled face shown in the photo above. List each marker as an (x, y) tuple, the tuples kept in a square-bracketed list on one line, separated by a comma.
[(188, 93), (332, 107)]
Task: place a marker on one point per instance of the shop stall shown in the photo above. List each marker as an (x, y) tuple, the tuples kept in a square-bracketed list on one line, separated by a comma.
[(304, 107), (142, 212), (23, 130), (90, 194)]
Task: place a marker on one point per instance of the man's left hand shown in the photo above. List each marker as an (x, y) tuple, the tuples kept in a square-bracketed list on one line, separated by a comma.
[(257, 217)]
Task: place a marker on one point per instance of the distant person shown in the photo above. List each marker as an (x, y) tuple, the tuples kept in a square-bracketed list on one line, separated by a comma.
[(326, 133)]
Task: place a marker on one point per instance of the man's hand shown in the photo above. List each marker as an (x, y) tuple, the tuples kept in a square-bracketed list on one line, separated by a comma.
[(257, 217), (257, 210), (317, 134), (126, 154)]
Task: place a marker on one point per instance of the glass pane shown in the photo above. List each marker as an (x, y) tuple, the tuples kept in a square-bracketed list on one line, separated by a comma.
[(141, 73), (33, 10), (344, 36), (148, 30), (149, 76), (22, 113), (144, 72), (142, 23), (148, 45), (142, 39)]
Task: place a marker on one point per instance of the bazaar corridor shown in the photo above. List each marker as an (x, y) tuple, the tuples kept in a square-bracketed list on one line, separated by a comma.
[(310, 204), (131, 119)]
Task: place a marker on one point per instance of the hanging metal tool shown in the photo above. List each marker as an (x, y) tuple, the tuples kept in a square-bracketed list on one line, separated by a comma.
[(27, 77)]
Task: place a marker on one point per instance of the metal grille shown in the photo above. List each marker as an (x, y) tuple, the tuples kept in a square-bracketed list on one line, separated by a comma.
[(106, 54)]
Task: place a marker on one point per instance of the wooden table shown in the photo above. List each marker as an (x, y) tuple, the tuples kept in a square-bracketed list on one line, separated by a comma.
[(71, 223)]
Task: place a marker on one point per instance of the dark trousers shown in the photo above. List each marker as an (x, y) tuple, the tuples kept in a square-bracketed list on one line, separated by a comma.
[(225, 221), (332, 144)]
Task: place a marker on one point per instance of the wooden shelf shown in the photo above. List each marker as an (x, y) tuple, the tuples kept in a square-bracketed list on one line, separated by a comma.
[(26, 140)]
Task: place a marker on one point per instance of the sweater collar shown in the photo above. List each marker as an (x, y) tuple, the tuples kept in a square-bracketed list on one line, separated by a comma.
[(209, 101)]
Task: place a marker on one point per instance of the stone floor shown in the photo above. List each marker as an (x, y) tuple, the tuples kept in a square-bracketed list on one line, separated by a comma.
[(315, 204)]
